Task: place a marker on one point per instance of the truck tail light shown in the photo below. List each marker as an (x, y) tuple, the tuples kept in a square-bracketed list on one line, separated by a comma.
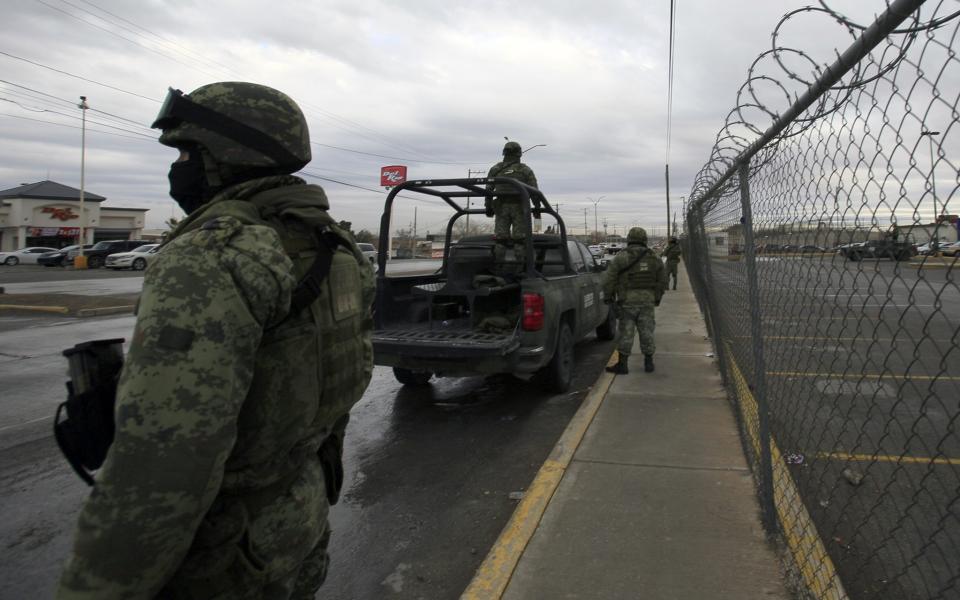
[(532, 312)]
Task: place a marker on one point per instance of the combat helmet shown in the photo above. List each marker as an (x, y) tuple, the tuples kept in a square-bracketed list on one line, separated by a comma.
[(637, 235), (512, 149), (242, 126)]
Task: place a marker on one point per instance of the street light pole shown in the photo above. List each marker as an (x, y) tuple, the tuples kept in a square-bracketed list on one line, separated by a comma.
[(933, 185), (82, 262), (595, 226)]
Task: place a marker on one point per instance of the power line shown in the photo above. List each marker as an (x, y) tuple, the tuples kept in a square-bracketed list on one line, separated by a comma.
[(407, 159), (124, 38), (72, 126), (56, 112), (20, 58)]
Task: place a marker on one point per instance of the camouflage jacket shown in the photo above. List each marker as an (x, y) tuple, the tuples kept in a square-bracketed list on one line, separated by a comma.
[(512, 167), (672, 253), (224, 400), (635, 276)]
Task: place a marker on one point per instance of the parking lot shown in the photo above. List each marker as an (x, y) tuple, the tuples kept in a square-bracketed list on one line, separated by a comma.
[(862, 368)]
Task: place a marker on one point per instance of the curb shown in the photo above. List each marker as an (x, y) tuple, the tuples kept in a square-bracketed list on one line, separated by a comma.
[(63, 310), (106, 310), (493, 576)]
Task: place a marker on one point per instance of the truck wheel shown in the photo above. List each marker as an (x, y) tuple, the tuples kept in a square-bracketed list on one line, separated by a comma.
[(558, 373), (855, 256), (409, 377), (607, 330)]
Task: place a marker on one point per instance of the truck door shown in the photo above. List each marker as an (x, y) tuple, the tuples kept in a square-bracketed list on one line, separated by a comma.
[(586, 294)]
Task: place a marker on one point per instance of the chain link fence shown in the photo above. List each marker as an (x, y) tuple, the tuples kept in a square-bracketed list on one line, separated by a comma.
[(819, 244)]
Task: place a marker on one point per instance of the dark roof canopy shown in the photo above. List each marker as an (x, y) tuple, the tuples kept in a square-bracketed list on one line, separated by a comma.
[(49, 190)]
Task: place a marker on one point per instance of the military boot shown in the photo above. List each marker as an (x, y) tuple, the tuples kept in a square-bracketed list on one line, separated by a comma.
[(621, 367), (648, 363)]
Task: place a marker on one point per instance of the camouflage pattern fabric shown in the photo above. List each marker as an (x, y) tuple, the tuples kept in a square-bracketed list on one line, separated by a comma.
[(213, 487), (509, 222), (636, 279), (260, 107), (672, 254), (637, 319)]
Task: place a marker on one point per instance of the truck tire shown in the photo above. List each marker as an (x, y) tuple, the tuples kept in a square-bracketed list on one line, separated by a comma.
[(607, 330), (558, 373), (855, 256), (409, 377)]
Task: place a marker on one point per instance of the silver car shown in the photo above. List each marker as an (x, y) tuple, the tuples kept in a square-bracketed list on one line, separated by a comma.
[(27, 256), (137, 259)]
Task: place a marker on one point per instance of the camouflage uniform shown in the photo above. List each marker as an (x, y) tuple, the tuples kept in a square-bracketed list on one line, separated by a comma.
[(231, 408), (672, 254), (510, 228), (636, 280)]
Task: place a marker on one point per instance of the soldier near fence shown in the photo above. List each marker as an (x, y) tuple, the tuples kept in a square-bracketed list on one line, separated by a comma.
[(672, 254), (635, 281), (252, 342), (510, 228)]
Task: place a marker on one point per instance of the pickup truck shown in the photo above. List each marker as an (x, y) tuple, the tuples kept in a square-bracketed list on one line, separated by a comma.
[(481, 315), (884, 248)]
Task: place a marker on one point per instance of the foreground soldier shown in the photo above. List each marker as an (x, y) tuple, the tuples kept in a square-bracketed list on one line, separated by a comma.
[(236, 391), (672, 254), (509, 227), (635, 280)]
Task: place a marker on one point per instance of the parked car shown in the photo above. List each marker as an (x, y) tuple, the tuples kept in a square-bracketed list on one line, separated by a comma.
[(809, 248), (952, 249), (597, 251), (885, 248), (27, 256), (137, 259), (931, 247), (369, 250), (97, 255), (59, 258)]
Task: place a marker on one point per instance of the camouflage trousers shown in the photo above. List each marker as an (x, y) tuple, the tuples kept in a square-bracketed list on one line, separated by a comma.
[(508, 221), (672, 272), (637, 319)]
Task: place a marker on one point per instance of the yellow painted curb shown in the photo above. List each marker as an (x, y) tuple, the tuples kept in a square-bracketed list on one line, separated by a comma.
[(106, 310), (816, 568), (63, 310), (491, 579)]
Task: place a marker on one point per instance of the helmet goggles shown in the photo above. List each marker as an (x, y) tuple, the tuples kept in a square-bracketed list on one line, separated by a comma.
[(177, 108)]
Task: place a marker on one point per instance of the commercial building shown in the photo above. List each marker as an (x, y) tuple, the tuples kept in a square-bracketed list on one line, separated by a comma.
[(47, 213)]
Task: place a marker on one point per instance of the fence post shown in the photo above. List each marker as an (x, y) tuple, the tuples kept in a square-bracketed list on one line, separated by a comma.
[(768, 509), (711, 311)]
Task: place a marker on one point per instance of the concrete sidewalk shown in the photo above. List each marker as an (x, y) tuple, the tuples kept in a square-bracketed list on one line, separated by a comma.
[(655, 500)]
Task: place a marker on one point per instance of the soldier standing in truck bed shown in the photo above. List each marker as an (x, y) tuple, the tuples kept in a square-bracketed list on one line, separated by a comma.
[(510, 228)]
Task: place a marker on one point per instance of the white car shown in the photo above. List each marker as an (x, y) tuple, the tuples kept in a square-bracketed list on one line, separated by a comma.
[(27, 256), (369, 250), (136, 259), (597, 251)]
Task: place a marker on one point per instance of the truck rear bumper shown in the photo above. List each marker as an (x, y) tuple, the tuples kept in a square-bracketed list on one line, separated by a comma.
[(456, 353)]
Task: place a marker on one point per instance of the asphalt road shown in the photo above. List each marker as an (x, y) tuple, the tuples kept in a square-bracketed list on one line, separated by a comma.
[(862, 367), (432, 474)]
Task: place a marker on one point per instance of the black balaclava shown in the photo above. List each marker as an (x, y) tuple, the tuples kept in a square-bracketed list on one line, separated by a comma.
[(188, 182)]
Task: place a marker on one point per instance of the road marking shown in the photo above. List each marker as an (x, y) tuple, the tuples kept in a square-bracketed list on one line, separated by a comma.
[(494, 574), (37, 420), (917, 460), (862, 375)]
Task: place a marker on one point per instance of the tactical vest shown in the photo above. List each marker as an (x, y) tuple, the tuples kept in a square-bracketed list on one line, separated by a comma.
[(643, 274), (334, 326)]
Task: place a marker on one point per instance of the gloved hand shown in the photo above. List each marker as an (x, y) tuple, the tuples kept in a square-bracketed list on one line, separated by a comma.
[(657, 301), (488, 208)]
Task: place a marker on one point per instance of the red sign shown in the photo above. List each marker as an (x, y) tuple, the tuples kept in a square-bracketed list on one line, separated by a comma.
[(54, 231), (64, 214), (393, 175)]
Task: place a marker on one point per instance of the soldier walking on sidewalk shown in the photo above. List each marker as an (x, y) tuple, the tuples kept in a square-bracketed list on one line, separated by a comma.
[(636, 281), (672, 254)]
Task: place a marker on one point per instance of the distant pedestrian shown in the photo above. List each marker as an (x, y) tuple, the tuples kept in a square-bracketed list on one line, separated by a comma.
[(672, 254), (635, 280), (510, 228)]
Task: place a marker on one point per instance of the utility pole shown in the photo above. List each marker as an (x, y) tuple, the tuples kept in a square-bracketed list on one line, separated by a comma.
[(413, 250), (81, 260), (933, 186), (666, 171), (585, 233), (595, 227), (605, 229)]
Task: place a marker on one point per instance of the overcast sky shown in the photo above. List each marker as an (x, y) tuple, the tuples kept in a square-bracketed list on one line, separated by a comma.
[(432, 84)]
